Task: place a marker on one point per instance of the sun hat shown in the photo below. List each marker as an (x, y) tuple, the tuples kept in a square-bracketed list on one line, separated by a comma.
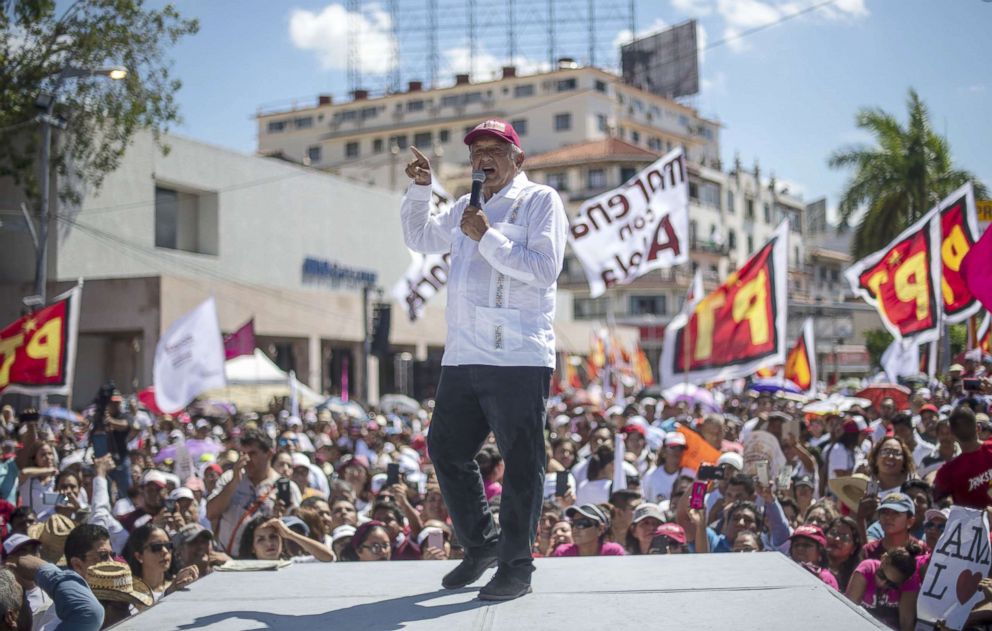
[(849, 489), (52, 535), (112, 580)]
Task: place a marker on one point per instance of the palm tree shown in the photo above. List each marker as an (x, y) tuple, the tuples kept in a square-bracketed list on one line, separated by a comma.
[(897, 181)]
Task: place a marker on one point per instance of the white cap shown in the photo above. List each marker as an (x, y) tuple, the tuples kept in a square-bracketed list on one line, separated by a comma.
[(13, 542), (735, 460), (201, 423), (343, 531), (294, 421), (377, 482), (674, 439), (182, 493), (615, 410), (154, 475), (299, 460)]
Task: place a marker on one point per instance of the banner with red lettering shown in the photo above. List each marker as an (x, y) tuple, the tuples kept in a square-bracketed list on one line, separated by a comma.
[(737, 328), (901, 281), (800, 363), (38, 351), (641, 226), (427, 273), (958, 233)]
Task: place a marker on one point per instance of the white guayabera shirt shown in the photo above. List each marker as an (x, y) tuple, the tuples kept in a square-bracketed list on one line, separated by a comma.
[(501, 289)]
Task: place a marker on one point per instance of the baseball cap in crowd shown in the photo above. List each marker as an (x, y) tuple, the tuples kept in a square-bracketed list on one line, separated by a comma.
[(734, 459), (353, 461), (191, 532), (855, 425), (899, 502), (929, 407), (497, 129), (674, 439), (181, 493), (202, 423), (588, 510), (377, 482), (955, 368), (811, 532), (803, 480), (154, 476), (296, 524), (342, 532), (645, 510), (930, 514), (14, 542), (194, 483), (671, 530), (633, 429), (300, 460)]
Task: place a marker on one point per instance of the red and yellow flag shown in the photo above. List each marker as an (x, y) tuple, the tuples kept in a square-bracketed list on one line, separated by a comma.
[(642, 368), (985, 334), (800, 364), (958, 233), (38, 351)]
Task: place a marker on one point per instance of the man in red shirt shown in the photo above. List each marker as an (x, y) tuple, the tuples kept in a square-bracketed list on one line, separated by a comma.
[(966, 478)]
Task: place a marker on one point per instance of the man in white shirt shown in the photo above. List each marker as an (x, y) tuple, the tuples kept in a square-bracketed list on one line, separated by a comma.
[(499, 352), (660, 480)]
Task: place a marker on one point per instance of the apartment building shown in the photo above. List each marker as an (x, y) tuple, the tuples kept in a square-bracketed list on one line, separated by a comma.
[(368, 139)]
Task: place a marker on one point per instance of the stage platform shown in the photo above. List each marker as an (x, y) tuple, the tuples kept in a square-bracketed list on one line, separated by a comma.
[(734, 592)]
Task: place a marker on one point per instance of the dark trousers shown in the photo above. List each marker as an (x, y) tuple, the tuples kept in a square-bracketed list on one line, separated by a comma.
[(510, 401)]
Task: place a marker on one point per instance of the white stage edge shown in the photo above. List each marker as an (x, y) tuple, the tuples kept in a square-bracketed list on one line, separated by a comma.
[(735, 592)]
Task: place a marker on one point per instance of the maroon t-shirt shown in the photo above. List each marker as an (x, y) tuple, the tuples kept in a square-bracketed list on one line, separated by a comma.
[(966, 478)]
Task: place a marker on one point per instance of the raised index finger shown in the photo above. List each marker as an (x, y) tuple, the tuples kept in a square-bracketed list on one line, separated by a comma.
[(420, 157)]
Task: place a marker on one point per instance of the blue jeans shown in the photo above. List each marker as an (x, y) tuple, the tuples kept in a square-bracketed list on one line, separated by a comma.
[(121, 475), (511, 402)]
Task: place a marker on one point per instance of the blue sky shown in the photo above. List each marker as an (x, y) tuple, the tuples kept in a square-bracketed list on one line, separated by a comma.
[(786, 95)]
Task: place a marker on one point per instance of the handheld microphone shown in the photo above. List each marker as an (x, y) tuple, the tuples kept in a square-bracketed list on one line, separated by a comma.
[(475, 198)]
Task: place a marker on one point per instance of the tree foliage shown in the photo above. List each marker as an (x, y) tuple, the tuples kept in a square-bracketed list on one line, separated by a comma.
[(876, 341), (899, 179), (39, 38)]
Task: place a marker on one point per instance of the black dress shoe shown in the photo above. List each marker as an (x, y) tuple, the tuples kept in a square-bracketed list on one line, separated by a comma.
[(468, 571), (505, 586)]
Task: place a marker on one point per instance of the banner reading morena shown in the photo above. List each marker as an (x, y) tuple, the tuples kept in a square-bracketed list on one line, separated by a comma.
[(38, 351), (427, 273), (737, 328), (641, 226)]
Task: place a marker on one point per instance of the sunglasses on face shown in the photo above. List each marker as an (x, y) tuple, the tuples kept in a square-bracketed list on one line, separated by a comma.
[(376, 548), (886, 581), (584, 523), (158, 547), (839, 536), (934, 526), (890, 453)]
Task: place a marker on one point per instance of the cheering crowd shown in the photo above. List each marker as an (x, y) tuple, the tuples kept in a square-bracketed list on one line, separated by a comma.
[(105, 514)]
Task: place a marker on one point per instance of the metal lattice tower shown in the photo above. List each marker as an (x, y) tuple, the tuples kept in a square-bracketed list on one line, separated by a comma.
[(431, 40)]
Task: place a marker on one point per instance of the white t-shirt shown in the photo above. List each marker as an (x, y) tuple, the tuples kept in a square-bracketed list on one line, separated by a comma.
[(658, 483), (593, 492)]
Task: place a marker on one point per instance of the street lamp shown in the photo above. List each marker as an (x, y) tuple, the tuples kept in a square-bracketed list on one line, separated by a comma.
[(46, 103)]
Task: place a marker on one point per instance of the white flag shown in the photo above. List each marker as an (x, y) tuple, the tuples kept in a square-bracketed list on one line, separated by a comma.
[(643, 225), (427, 273), (189, 358), (619, 475), (901, 359)]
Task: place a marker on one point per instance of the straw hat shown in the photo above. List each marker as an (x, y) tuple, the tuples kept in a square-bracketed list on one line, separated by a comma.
[(52, 535), (849, 489), (112, 580)]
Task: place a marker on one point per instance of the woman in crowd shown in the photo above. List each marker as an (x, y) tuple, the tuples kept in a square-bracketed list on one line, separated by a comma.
[(589, 527), (38, 479), (747, 541), (820, 513), (807, 546), (641, 533), (891, 463), (933, 525), (563, 450), (434, 506), (264, 539), (491, 469), (842, 456), (149, 554), (843, 549), (595, 489), (888, 587), (355, 471), (369, 543), (895, 516)]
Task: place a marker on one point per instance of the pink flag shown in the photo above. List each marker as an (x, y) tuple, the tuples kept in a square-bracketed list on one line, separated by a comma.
[(241, 342), (976, 269)]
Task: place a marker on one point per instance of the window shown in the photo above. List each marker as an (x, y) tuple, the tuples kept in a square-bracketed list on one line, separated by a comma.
[(766, 211), (415, 106), (635, 137), (444, 136), (345, 115), (731, 239), (398, 141), (693, 190), (377, 145), (557, 181), (654, 144), (626, 173), (370, 112), (600, 86), (590, 308), (451, 99), (602, 123), (730, 202), (422, 140), (564, 85), (521, 91), (351, 149), (749, 210), (313, 154), (186, 221), (595, 179), (563, 122), (709, 194), (275, 127), (304, 122), (649, 305), (750, 244), (520, 125), (472, 97)]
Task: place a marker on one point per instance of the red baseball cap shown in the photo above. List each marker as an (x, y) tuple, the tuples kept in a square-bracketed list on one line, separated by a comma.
[(672, 531), (497, 129), (930, 407), (813, 533), (631, 429)]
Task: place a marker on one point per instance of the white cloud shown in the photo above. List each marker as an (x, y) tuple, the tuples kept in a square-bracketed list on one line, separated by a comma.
[(625, 36), (693, 8), (715, 85), (977, 88), (326, 35), (458, 60), (742, 15)]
